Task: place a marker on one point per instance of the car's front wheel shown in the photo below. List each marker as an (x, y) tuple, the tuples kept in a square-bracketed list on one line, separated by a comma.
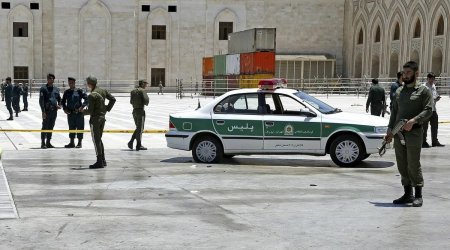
[(347, 151), (207, 149)]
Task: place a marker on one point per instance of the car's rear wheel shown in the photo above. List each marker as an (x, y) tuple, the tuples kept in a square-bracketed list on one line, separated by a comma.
[(207, 149), (347, 151)]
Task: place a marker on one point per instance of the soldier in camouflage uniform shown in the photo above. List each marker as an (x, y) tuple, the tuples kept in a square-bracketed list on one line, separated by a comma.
[(97, 110), (413, 102), (376, 99), (139, 99)]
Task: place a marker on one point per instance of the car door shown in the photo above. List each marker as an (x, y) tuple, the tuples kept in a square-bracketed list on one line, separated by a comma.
[(288, 128), (237, 121)]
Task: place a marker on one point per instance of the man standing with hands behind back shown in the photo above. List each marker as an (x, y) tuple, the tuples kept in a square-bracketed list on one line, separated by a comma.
[(413, 102)]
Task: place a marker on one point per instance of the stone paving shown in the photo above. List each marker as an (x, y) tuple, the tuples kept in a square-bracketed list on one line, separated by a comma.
[(160, 199)]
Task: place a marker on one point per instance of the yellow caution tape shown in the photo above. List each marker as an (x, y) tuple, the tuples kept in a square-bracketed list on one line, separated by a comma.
[(444, 122), (111, 131)]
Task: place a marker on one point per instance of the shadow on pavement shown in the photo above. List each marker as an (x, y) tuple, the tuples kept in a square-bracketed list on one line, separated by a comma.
[(286, 162), (387, 204)]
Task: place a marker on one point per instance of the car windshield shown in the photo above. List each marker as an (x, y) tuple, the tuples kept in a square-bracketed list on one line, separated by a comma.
[(316, 103)]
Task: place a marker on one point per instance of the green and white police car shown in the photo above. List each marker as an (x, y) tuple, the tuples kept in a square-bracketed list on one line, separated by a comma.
[(274, 120)]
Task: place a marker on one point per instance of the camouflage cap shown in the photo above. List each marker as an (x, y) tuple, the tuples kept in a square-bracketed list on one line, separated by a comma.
[(91, 80)]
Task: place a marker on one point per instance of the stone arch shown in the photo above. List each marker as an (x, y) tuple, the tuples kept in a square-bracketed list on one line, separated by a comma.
[(377, 25), (225, 15), (21, 13), (439, 9), (396, 32), (440, 27), (159, 51), (417, 32), (418, 17), (394, 64), (375, 71), (437, 61), (95, 41), (360, 39)]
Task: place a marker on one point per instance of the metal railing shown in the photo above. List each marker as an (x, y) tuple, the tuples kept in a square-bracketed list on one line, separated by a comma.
[(217, 87)]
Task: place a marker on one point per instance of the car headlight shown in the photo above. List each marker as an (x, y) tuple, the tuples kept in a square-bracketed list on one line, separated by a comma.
[(381, 130)]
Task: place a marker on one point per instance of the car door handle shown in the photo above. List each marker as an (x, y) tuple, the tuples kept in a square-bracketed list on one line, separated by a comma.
[(220, 122), (269, 124)]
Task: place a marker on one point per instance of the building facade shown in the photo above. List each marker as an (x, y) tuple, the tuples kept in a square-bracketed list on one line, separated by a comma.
[(384, 34), (159, 40), (165, 40)]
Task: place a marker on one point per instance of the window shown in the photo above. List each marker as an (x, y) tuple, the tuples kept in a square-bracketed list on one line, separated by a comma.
[(361, 37), (21, 74), (159, 32), (34, 6), (378, 35), (282, 105), (440, 27), (158, 75), (396, 32), (20, 29), (6, 5), (417, 30), (172, 8), (238, 104), (225, 28), (145, 8)]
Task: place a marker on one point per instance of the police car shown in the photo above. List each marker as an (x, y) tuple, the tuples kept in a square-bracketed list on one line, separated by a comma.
[(272, 119)]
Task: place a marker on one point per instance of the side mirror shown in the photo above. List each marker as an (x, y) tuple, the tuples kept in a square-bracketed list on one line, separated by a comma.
[(306, 112)]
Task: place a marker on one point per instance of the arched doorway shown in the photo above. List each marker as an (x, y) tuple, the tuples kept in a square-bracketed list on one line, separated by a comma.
[(436, 64), (358, 66), (393, 69), (375, 72)]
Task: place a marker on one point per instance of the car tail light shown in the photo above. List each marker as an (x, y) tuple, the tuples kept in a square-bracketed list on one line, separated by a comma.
[(171, 126)]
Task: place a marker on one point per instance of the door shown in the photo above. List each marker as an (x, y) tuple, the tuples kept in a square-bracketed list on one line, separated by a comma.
[(237, 121), (288, 128)]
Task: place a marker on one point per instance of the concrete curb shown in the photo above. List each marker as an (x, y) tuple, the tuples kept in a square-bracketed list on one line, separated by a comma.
[(8, 192)]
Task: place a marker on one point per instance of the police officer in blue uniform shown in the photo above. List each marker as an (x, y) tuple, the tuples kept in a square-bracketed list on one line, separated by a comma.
[(73, 102), (50, 102), (8, 97), (25, 96), (17, 92)]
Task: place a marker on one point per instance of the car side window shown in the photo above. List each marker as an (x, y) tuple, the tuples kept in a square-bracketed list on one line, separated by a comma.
[(290, 106), (238, 104)]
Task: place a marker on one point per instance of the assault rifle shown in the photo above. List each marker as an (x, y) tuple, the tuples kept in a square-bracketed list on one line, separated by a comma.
[(396, 130)]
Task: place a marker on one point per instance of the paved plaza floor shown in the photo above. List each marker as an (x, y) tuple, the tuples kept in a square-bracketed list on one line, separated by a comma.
[(160, 199)]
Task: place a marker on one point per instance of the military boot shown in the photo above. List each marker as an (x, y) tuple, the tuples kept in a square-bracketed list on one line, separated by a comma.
[(43, 146), (98, 164), (406, 198), (10, 118), (79, 145), (71, 144), (48, 144), (418, 201), (103, 160), (130, 144)]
